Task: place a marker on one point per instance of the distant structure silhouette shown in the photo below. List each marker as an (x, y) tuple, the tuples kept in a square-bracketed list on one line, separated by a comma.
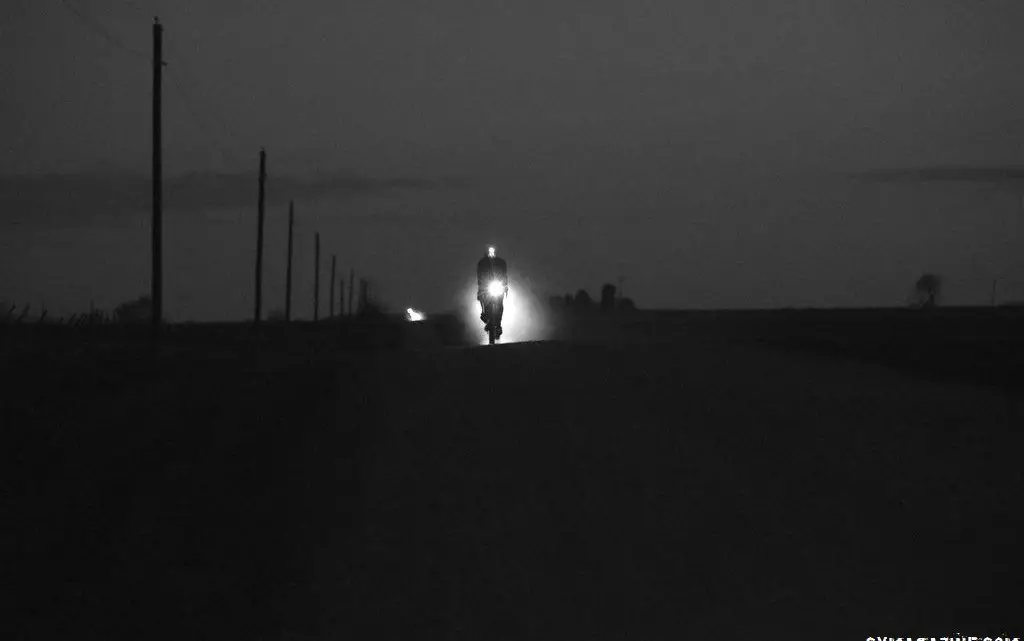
[(928, 288), (582, 300), (607, 297), (611, 300)]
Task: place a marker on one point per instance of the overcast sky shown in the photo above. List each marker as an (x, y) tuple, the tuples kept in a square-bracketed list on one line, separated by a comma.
[(712, 153)]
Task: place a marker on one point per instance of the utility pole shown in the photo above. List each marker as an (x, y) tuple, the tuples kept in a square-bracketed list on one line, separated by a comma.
[(341, 298), (351, 289), (157, 275), (334, 262), (259, 238), (316, 281), (288, 279)]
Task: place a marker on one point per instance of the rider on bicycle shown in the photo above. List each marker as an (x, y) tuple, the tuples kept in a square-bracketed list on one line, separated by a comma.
[(490, 269)]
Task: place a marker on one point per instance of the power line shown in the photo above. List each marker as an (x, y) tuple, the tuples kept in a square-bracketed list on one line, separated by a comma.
[(96, 28), (135, 6), (211, 123), (192, 100), (177, 78), (198, 118), (184, 69)]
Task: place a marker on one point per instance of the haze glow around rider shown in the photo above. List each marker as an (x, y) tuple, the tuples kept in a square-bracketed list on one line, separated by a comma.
[(488, 270)]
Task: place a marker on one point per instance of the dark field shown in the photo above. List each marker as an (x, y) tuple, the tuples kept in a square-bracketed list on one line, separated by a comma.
[(661, 475)]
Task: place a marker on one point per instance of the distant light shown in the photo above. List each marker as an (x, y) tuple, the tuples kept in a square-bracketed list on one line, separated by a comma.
[(414, 315)]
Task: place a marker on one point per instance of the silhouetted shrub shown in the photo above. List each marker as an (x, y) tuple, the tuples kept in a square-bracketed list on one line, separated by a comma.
[(625, 304)]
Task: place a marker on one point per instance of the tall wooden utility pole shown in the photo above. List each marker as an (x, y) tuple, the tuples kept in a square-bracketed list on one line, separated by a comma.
[(334, 262), (316, 281), (364, 295), (288, 281), (259, 239), (157, 274), (351, 289)]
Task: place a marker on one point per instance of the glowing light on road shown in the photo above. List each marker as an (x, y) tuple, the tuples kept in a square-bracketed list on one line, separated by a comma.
[(414, 315), (495, 289)]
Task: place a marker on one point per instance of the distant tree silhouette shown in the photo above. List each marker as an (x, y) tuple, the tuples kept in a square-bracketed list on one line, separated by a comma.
[(928, 288), (626, 304), (582, 299), (139, 310), (568, 300), (608, 297)]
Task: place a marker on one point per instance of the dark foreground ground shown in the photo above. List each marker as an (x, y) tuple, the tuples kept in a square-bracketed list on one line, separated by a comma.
[(681, 480)]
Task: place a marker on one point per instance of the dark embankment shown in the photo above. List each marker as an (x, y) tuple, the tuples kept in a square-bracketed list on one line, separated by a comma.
[(651, 475)]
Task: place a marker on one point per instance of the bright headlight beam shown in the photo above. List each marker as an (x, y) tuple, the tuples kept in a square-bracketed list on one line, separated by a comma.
[(495, 289), (413, 315)]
